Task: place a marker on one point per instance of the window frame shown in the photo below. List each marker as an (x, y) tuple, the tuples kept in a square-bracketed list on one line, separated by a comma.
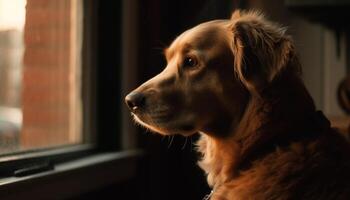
[(101, 60)]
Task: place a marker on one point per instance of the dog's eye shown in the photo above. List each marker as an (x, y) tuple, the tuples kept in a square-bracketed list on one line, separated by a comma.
[(189, 62)]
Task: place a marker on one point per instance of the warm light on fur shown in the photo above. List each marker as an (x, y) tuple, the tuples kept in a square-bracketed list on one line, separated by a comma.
[(237, 82)]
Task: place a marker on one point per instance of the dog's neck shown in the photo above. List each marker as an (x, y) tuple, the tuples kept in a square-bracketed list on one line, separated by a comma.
[(278, 112)]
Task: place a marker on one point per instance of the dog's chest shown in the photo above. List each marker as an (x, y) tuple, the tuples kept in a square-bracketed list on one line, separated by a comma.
[(218, 160)]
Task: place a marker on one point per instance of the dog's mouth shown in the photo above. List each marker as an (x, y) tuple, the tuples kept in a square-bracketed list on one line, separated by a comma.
[(154, 115), (165, 123)]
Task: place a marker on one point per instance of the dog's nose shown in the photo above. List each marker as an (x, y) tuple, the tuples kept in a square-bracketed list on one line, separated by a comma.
[(135, 100)]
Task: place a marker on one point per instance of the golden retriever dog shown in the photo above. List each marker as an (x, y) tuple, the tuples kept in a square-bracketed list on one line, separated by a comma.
[(237, 83)]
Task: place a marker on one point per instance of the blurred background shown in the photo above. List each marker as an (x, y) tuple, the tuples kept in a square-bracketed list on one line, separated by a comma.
[(66, 65)]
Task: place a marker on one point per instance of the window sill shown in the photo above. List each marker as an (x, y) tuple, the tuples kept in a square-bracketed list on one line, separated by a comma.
[(72, 178)]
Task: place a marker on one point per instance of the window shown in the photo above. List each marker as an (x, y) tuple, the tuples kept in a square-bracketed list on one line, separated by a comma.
[(40, 74), (60, 97)]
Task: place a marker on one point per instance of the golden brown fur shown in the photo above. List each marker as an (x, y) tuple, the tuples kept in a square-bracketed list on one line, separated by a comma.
[(237, 82)]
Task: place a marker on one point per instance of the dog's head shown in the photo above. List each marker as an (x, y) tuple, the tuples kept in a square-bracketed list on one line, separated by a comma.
[(213, 70)]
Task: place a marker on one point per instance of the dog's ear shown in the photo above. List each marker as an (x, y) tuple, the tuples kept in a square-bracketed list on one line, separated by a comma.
[(261, 50)]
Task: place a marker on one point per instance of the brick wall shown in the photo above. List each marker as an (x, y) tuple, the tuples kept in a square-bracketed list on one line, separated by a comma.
[(50, 99)]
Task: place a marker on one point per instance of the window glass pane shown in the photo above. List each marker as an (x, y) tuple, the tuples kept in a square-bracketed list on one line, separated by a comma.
[(40, 74)]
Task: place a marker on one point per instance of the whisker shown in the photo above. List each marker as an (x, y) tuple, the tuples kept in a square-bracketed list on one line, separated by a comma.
[(171, 141), (183, 146), (191, 143)]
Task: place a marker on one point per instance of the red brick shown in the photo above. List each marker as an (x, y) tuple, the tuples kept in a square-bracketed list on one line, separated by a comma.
[(48, 4), (42, 19), (34, 137), (41, 57), (36, 116), (45, 100), (42, 76), (48, 38)]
